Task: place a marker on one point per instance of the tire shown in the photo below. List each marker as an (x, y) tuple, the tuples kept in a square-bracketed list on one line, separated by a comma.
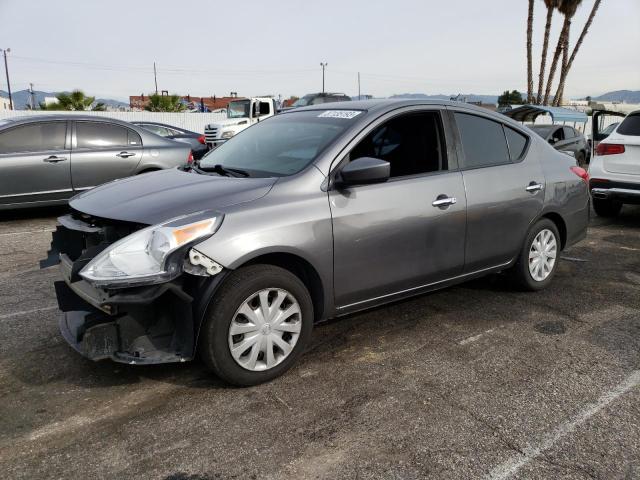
[(606, 208), (521, 273), (241, 291)]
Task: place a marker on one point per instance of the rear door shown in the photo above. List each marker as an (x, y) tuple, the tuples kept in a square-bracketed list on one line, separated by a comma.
[(504, 186), (102, 152), (34, 163)]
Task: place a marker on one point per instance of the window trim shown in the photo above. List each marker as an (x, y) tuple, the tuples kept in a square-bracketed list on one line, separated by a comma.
[(67, 140), (447, 137), (460, 149), (74, 137)]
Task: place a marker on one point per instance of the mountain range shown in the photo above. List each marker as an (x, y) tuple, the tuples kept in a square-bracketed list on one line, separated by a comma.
[(21, 97)]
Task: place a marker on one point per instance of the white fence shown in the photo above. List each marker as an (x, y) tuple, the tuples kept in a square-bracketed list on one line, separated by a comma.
[(191, 121)]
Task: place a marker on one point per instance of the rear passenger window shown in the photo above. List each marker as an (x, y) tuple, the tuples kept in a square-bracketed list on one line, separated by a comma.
[(411, 143), (105, 135), (516, 142), (34, 137), (630, 126), (483, 141), (569, 132)]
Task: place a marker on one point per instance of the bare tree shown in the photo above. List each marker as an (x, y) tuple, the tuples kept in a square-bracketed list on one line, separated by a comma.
[(567, 65), (551, 6), (529, 54)]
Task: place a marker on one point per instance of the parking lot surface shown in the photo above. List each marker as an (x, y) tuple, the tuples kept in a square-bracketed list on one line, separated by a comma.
[(476, 381)]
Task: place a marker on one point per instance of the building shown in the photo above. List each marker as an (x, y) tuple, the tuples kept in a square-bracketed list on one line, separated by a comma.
[(138, 102), (4, 103)]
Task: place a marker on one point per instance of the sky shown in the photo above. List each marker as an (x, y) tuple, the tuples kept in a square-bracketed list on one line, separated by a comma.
[(274, 47)]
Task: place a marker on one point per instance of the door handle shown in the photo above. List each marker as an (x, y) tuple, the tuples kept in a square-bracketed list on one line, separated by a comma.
[(443, 201), (534, 187), (54, 159), (125, 154)]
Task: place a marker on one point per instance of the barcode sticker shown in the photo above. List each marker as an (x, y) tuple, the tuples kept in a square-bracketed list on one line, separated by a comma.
[(339, 114)]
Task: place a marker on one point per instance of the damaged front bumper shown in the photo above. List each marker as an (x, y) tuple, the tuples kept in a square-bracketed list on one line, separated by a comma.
[(136, 325)]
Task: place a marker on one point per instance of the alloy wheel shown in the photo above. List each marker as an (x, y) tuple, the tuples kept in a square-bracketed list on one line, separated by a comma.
[(542, 255), (265, 329)]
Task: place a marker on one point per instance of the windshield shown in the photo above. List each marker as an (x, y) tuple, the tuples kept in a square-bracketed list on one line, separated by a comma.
[(303, 102), (281, 145), (542, 130), (239, 109)]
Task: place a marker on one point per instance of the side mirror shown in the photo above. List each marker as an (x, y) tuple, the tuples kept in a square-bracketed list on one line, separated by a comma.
[(552, 141), (364, 171)]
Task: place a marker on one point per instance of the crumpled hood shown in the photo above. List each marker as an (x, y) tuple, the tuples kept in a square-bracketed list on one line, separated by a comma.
[(158, 196), (229, 122)]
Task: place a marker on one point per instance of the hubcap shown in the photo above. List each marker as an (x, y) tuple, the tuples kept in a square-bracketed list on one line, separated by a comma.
[(542, 255), (265, 329)]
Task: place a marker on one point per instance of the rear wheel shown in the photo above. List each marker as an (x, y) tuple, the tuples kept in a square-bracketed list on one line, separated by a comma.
[(606, 208), (538, 258), (257, 325)]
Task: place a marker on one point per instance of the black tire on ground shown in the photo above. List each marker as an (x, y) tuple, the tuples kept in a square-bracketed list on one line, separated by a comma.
[(213, 343), (519, 273), (606, 208)]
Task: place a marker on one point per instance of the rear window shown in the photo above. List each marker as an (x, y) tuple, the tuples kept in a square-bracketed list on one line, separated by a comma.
[(517, 143), (630, 126), (483, 141), (105, 135)]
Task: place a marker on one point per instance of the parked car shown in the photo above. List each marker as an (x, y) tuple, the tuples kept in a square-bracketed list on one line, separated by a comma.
[(46, 159), (195, 140), (320, 98), (615, 168), (564, 138), (312, 214)]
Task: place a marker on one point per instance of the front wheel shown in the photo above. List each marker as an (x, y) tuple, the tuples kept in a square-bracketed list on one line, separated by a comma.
[(538, 259), (257, 325)]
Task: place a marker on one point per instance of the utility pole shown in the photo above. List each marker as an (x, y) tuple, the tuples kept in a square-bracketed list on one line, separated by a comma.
[(32, 102), (155, 76), (6, 69), (323, 65), (359, 86)]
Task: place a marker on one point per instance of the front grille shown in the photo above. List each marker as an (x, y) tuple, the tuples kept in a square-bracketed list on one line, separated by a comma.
[(211, 134), (81, 237)]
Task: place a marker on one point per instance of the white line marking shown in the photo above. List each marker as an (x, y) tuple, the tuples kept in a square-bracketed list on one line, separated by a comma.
[(26, 312), (48, 230), (474, 338), (511, 466)]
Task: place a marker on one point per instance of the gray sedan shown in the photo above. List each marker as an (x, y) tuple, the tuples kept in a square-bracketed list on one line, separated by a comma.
[(46, 159), (309, 215), (564, 139)]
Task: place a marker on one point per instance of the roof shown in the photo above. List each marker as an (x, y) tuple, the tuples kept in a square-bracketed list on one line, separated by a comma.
[(529, 113), (64, 116)]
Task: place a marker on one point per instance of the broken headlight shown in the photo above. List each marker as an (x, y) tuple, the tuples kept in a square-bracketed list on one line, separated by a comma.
[(151, 255)]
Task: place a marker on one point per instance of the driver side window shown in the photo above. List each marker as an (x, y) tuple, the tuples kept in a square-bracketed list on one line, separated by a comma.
[(412, 143)]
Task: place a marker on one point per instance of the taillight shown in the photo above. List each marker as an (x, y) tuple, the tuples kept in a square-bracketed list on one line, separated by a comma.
[(190, 158), (609, 149), (581, 172), (201, 139)]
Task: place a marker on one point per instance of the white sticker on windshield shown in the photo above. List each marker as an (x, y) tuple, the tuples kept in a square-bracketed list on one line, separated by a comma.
[(339, 114)]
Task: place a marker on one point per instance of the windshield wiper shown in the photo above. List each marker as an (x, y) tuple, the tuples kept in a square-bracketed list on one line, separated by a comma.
[(225, 171)]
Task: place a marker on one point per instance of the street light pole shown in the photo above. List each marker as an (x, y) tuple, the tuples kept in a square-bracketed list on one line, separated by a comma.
[(323, 65), (6, 70), (155, 76)]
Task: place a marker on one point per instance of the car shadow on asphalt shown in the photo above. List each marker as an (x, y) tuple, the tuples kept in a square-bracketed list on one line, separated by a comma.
[(32, 213)]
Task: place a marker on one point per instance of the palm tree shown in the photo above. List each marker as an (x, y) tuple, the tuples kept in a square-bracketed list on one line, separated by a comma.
[(568, 9), (567, 65), (75, 100), (551, 6), (529, 57), (164, 103)]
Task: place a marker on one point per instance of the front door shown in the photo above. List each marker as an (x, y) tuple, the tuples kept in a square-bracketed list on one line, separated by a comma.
[(390, 238), (504, 186), (102, 152), (34, 163)]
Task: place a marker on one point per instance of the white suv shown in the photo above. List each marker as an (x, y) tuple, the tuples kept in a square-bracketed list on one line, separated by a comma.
[(615, 168)]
